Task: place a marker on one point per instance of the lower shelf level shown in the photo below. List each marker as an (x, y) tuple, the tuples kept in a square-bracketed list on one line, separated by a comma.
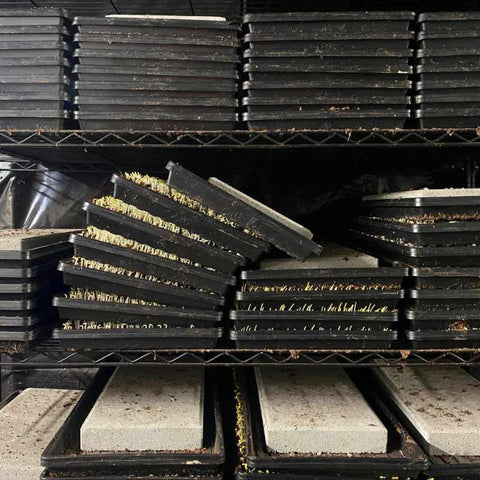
[(50, 355)]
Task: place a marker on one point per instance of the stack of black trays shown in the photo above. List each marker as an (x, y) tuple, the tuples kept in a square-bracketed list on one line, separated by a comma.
[(28, 280), (327, 70), (63, 457), (444, 308), (404, 458), (422, 228), (34, 68), (448, 67), (153, 267), (318, 308), (155, 74)]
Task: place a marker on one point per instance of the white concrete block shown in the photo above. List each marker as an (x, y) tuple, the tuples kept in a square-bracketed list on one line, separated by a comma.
[(27, 425), (288, 222), (333, 256), (443, 404), (426, 193), (311, 410), (147, 409)]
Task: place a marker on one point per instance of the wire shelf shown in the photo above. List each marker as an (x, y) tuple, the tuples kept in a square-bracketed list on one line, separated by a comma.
[(50, 355)]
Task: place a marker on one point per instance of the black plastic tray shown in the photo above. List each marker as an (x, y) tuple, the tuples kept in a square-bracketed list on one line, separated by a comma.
[(34, 29), (441, 234), (325, 96), (103, 122), (448, 80), (313, 321), (195, 26), (449, 64), (138, 288), (165, 30), (126, 102), (33, 119), (99, 60), (139, 74), (35, 256), (418, 207), (207, 256), (325, 124), (330, 16), (54, 90), (171, 48), (447, 95), (157, 55), (404, 458), (16, 341), (139, 339), (175, 271), (446, 278), (329, 32), (325, 80), (146, 40), (146, 475), (380, 48), (457, 121), (329, 65), (317, 300), (112, 312), (329, 28), (418, 256), (25, 322), (296, 280), (445, 299), (449, 320), (63, 452), (222, 234), (311, 112), (312, 340), (245, 215), (39, 270)]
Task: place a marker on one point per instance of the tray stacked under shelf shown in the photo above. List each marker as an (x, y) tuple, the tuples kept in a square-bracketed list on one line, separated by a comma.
[(28, 280), (444, 308), (34, 69), (153, 267), (327, 70), (403, 458), (145, 398), (156, 74), (448, 68), (318, 308)]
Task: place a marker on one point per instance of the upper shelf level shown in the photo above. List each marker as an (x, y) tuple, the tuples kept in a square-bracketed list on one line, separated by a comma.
[(111, 148)]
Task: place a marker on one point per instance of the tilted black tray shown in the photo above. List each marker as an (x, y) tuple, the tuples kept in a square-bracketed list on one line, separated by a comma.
[(176, 271), (157, 237), (313, 321), (63, 452), (222, 234), (131, 314), (440, 234), (139, 339), (137, 288), (238, 211), (404, 458)]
